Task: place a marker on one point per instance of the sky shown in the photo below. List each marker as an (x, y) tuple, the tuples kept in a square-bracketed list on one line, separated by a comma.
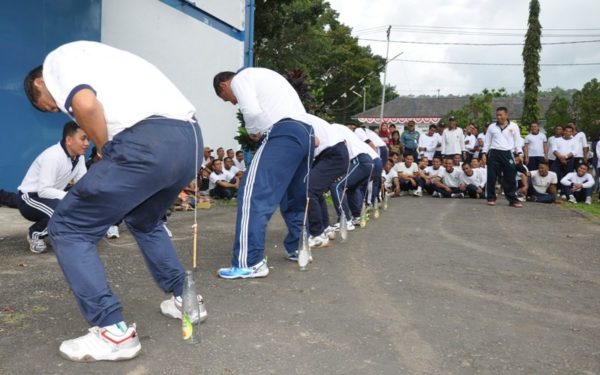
[(475, 21)]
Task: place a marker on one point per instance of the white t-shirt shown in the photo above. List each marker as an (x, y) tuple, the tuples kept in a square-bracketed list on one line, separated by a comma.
[(241, 165), (265, 97), (453, 141), (566, 146), (552, 141), (389, 177), (474, 179), (129, 87), (430, 143), (51, 172), (402, 168), (535, 144), (542, 183), (507, 139), (581, 141), (373, 137), (432, 172), (233, 170), (354, 144), (451, 179), (214, 178), (470, 142), (328, 136)]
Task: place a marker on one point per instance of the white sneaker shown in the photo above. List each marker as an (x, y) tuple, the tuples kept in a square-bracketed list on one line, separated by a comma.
[(563, 197), (418, 193), (588, 200), (172, 308), (457, 195), (112, 232), (321, 240), (435, 194), (101, 345), (36, 246), (330, 232), (349, 226), (169, 233), (572, 199), (402, 193)]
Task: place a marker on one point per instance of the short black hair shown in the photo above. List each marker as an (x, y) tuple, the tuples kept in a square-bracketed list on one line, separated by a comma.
[(239, 152), (221, 77), (31, 92), (502, 109), (69, 129), (543, 162)]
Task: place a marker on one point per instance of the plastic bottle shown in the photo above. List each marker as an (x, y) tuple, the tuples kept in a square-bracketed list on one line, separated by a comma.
[(385, 201), (304, 251), (343, 227), (190, 322)]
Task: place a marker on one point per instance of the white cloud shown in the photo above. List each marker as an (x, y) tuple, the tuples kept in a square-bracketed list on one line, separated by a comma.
[(419, 78)]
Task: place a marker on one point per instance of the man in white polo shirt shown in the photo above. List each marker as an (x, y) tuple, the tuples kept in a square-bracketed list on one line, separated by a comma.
[(536, 147), (46, 180), (143, 127), (501, 140), (542, 184), (222, 184), (428, 143), (273, 115)]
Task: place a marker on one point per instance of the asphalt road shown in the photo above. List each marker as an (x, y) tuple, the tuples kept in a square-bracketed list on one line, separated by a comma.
[(432, 287)]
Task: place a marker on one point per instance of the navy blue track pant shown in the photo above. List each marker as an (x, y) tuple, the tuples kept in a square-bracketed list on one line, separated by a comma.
[(358, 175), (501, 163), (330, 165), (276, 176), (376, 178), (142, 171), (39, 210)]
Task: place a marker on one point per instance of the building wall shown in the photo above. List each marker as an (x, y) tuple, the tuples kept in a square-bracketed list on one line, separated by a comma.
[(29, 30), (187, 50)]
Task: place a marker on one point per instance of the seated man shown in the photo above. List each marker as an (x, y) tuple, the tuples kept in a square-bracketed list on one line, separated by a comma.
[(578, 185), (471, 182), (239, 161), (430, 173), (46, 180), (408, 176), (542, 184), (231, 168), (222, 183), (390, 178), (522, 179), (447, 183)]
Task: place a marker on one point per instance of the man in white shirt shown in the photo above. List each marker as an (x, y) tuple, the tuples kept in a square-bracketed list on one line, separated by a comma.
[(565, 150), (390, 178), (230, 167), (453, 140), (558, 130), (272, 112), (581, 153), (536, 147), (542, 184), (46, 180), (471, 183), (447, 183), (148, 143), (577, 186), (222, 184), (428, 142), (239, 161), (470, 142), (481, 140), (430, 173), (501, 140), (408, 177)]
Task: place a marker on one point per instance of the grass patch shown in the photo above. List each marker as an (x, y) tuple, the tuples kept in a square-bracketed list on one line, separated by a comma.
[(592, 209)]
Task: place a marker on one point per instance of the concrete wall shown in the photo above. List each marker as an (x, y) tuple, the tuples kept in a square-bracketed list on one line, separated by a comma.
[(188, 51)]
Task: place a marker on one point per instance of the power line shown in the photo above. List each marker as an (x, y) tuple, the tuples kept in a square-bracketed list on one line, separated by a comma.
[(383, 27), (492, 64), (479, 44)]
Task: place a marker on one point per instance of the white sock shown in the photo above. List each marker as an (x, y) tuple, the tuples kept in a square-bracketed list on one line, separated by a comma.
[(117, 329)]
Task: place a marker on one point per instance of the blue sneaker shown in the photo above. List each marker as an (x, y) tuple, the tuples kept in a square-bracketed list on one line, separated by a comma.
[(258, 270), (293, 257)]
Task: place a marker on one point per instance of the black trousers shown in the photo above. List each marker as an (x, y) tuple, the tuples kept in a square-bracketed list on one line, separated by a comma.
[(39, 210), (501, 164)]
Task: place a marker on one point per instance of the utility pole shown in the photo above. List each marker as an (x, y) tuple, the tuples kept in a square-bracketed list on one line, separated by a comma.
[(365, 98), (385, 74)]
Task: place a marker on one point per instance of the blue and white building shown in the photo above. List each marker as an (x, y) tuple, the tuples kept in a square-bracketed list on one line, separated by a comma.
[(189, 40)]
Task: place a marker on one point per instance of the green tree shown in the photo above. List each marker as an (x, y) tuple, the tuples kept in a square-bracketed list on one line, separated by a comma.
[(306, 36), (586, 108), (557, 114), (531, 66), (478, 110)]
